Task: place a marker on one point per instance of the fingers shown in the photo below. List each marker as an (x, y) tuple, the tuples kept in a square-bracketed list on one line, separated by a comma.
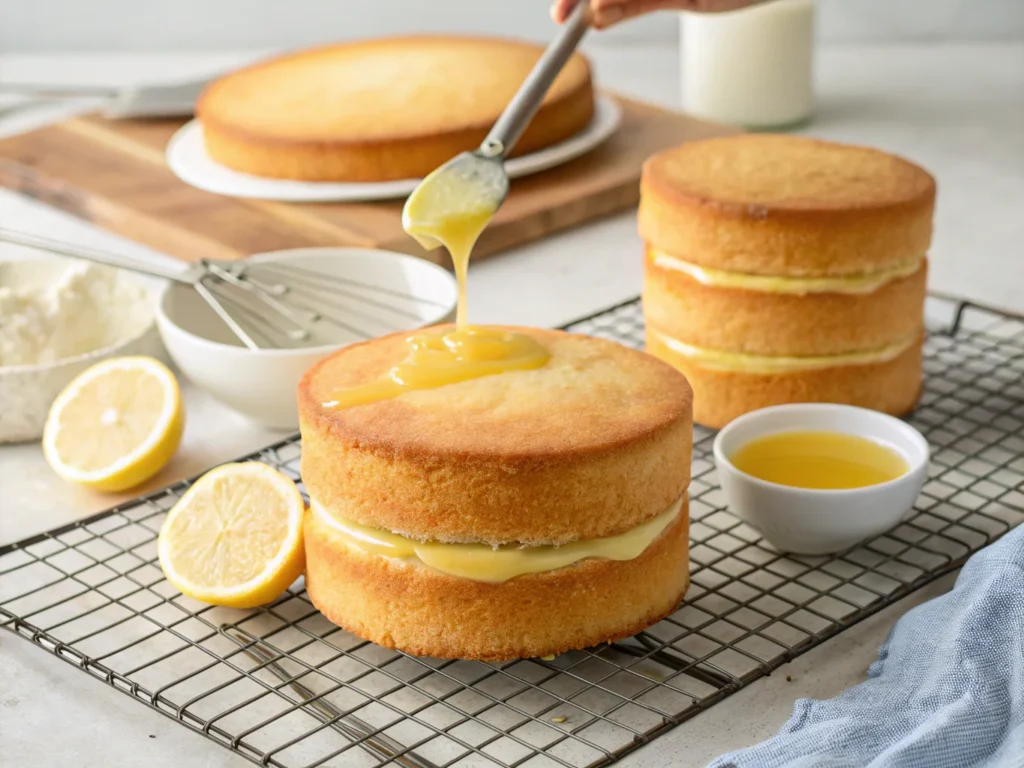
[(717, 6), (610, 12), (561, 9), (607, 13)]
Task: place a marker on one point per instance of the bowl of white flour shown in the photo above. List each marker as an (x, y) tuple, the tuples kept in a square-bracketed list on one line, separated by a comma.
[(57, 318)]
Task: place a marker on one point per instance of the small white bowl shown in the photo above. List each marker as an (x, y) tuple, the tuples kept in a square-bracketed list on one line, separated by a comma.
[(814, 521), (261, 383), (28, 391)]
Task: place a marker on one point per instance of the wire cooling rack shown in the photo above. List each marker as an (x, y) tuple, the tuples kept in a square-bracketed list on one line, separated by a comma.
[(283, 687)]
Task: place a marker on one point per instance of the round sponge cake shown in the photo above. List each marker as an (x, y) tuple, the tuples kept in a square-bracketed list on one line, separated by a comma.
[(891, 384), (786, 205), (776, 323), (403, 604), (591, 445), (782, 269), (385, 109)]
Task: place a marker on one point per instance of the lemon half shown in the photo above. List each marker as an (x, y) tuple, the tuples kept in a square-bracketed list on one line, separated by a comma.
[(115, 425), (235, 537)]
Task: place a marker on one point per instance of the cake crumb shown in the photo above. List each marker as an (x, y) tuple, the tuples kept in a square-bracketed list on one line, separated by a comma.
[(560, 719)]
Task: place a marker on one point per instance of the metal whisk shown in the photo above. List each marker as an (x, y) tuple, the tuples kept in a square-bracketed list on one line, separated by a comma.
[(266, 304)]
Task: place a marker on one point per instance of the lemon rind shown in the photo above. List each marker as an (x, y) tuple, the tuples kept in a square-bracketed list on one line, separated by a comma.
[(164, 427)]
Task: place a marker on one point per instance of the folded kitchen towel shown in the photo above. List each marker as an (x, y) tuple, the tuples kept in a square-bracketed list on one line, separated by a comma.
[(947, 690)]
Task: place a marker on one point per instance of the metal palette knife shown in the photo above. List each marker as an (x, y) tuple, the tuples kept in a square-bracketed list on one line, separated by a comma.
[(484, 167)]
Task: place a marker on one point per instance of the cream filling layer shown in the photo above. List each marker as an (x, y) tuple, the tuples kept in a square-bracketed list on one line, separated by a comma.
[(863, 283), (481, 562), (767, 364)]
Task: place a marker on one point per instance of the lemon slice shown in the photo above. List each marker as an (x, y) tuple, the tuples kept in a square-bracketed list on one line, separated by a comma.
[(235, 538), (115, 425)]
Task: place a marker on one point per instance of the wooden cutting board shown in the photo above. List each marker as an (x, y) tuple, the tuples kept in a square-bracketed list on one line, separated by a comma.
[(113, 174)]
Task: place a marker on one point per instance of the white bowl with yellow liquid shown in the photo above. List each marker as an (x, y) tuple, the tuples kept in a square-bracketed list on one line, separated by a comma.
[(820, 520), (262, 383)]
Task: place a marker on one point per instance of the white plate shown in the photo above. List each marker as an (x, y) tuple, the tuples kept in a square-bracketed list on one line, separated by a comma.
[(188, 160)]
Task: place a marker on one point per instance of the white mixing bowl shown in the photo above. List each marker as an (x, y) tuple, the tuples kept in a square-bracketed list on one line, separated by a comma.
[(261, 383)]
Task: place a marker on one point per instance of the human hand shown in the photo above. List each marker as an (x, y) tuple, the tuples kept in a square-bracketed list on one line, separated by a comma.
[(605, 13)]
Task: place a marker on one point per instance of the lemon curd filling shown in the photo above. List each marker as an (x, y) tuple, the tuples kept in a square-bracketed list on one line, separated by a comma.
[(767, 364), (482, 562), (862, 283)]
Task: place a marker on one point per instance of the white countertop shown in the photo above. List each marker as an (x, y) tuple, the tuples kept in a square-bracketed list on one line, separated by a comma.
[(955, 109)]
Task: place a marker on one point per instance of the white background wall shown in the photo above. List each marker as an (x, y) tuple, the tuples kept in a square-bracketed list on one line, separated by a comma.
[(79, 25)]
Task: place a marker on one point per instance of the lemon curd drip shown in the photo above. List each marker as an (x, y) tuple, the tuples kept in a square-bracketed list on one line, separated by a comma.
[(821, 460), (482, 562), (449, 210)]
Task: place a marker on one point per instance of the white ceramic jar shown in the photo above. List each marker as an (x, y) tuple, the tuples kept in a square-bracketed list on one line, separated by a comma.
[(752, 67)]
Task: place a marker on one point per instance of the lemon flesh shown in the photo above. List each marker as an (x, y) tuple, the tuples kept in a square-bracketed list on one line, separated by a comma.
[(115, 425), (235, 537)]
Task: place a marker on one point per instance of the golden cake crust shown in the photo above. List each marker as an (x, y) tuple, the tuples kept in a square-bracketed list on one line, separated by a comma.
[(384, 109), (762, 323), (785, 205), (404, 604), (592, 444), (720, 396)]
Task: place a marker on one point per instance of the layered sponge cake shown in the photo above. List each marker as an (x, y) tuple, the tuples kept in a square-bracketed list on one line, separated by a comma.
[(781, 269), (385, 109), (507, 516)]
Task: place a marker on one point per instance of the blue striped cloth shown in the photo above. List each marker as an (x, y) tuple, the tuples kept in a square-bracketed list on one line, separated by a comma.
[(947, 690)]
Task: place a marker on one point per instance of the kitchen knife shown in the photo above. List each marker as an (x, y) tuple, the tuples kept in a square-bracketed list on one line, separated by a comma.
[(161, 100)]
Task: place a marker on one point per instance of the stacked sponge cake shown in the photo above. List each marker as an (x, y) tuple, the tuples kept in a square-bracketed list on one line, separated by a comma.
[(513, 515), (782, 269)]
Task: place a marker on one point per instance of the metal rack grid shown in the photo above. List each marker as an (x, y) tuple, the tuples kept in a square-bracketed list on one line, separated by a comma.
[(282, 686)]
